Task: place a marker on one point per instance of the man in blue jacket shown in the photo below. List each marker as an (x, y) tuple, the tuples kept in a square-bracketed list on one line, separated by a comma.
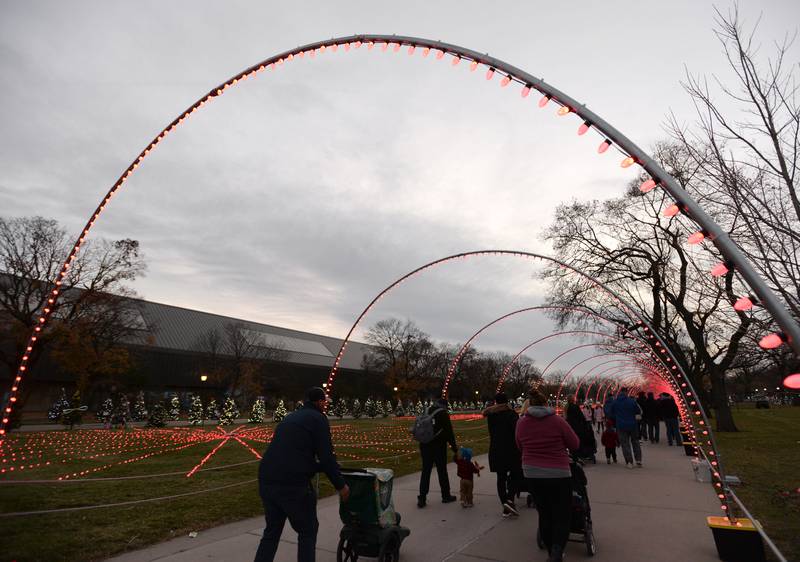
[(624, 410), (300, 448)]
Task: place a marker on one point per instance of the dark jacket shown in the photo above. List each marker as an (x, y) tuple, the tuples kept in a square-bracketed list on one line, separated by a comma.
[(503, 452), (624, 411), (650, 411), (300, 447), (443, 430), (668, 408), (583, 429)]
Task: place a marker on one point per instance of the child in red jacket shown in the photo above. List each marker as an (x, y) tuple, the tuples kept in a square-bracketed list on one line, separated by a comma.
[(610, 441), (466, 469)]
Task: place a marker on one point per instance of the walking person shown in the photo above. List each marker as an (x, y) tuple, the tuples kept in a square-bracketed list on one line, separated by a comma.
[(626, 414), (300, 448), (598, 418), (670, 414), (583, 429), (641, 398), (543, 438), (610, 441), (652, 417), (467, 469), (434, 452), (504, 458)]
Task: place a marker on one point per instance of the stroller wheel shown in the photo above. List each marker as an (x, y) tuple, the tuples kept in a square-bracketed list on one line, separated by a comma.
[(390, 550), (346, 551), (539, 541), (588, 537)]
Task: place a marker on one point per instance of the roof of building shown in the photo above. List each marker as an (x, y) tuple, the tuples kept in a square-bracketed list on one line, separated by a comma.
[(181, 329)]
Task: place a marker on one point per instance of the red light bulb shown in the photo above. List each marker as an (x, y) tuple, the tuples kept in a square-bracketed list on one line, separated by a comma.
[(544, 101), (505, 81), (771, 341), (792, 381), (563, 110), (627, 162), (473, 66), (671, 211), (525, 91), (603, 146), (455, 61), (583, 128), (490, 74), (720, 269), (696, 237), (647, 186)]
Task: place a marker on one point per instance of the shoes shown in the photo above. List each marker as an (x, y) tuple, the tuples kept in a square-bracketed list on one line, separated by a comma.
[(608, 461), (506, 512), (628, 465), (464, 504), (639, 464), (556, 554), (420, 501), (615, 461), (509, 505), (448, 499)]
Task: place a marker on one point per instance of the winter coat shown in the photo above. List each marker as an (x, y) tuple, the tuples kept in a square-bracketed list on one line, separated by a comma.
[(443, 429), (650, 411), (583, 429), (503, 452), (300, 447), (466, 469), (624, 411), (668, 408), (543, 438), (610, 439)]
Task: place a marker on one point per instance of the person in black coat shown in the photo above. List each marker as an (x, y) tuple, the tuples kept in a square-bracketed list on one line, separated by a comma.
[(504, 457), (668, 410), (300, 448), (641, 398), (652, 416), (435, 453), (583, 429)]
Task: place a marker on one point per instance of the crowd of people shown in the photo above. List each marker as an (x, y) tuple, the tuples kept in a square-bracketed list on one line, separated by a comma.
[(531, 449)]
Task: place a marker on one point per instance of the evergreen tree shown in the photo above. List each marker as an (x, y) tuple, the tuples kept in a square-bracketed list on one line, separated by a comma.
[(157, 416), (370, 408), (387, 409), (105, 411), (212, 410), (229, 412), (196, 411), (57, 409), (174, 408), (357, 411), (280, 412), (74, 414), (258, 411), (122, 412), (399, 411), (473, 406), (140, 408), (420, 408), (340, 408)]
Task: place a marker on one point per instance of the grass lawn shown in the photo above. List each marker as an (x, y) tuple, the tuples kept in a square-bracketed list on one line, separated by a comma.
[(765, 454), (81, 455)]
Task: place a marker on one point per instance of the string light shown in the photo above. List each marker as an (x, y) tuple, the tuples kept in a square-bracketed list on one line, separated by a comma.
[(772, 341)]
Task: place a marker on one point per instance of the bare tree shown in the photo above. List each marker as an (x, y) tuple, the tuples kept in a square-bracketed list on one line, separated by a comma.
[(93, 316)]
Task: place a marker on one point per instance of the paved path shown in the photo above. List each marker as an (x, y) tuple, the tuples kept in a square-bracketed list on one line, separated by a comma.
[(655, 514)]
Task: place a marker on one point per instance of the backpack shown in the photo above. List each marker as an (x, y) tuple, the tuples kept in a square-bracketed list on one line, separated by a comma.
[(423, 430)]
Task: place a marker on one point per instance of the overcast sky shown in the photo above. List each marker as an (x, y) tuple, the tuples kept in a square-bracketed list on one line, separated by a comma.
[(296, 197)]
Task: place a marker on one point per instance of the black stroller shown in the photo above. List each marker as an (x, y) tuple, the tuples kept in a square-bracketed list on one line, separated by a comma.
[(371, 525), (581, 522)]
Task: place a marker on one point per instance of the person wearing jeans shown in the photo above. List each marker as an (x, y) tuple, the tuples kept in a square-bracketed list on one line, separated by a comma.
[(544, 438), (626, 414), (435, 453), (669, 413)]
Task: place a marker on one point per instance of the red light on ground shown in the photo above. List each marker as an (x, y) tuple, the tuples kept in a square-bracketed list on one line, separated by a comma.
[(792, 381), (771, 341)]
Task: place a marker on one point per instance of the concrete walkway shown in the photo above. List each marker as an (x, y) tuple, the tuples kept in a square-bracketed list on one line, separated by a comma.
[(655, 514)]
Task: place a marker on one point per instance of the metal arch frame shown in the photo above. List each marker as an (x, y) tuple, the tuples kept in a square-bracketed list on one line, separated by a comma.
[(691, 208)]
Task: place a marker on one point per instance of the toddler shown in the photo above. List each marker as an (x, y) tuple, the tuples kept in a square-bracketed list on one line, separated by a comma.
[(466, 469), (610, 441)]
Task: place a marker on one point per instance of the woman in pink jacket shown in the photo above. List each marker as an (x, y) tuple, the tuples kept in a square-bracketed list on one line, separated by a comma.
[(543, 438)]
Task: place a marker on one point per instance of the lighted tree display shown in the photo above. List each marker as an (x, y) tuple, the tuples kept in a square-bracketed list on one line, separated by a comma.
[(122, 412), (387, 409), (280, 412), (258, 411), (339, 408), (105, 412), (419, 409), (174, 408), (356, 410), (158, 415), (370, 408), (212, 410), (229, 412), (399, 411), (57, 409), (74, 414), (196, 411), (140, 408)]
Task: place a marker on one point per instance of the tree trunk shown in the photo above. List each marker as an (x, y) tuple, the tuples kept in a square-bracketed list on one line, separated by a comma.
[(719, 401)]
